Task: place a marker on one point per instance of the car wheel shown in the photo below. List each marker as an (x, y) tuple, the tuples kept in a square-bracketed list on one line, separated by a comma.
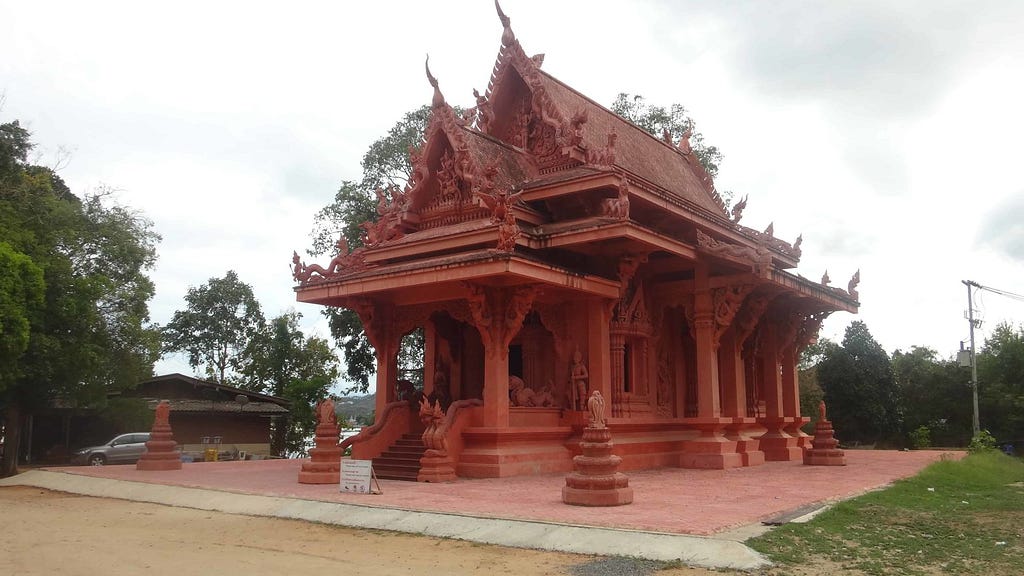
[(97, 460)]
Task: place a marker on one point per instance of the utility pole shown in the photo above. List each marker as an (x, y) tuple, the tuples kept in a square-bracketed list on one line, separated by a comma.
[(974, 363)]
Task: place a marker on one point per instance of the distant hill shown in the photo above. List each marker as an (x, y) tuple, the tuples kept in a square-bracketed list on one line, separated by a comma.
[(358, 408)]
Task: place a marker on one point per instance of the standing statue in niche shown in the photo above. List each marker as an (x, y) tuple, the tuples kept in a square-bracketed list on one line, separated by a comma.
[(578, 380), (596, 407)]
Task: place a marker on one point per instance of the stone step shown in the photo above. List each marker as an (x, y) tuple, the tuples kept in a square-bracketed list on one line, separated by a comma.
[(408, 442), (407, 459), (403, 476), (411, 450), (401, 461), (388, 472), (412, 463)]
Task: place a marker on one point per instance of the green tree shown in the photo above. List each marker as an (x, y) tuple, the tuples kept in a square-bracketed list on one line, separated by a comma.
[(1001, 383), (937, 394), (674, 120), (860, 390), (22, 292), (286, 363), (811, 393), (220, 320), (90, 334)]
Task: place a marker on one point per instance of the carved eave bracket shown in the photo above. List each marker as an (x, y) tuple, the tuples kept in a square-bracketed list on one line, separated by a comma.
[(727, 302), (498, 313), (749, 317), (809, 328), (376, 321), (798, 328), (629, 263)]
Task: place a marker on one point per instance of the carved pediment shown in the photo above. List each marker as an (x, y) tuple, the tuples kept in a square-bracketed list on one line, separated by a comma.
[(518, 110), (631, 316)]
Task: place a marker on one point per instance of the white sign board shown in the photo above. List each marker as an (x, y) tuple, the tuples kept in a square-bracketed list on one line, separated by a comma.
[(355, 476)]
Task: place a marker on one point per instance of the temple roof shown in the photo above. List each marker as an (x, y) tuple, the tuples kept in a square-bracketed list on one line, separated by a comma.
[(540, 171), (637, 151)]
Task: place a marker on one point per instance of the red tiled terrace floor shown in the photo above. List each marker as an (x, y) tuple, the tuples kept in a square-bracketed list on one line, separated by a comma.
[(670, 500)]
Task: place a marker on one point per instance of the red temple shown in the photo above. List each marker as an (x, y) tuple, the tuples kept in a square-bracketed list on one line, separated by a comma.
[(549, 248)]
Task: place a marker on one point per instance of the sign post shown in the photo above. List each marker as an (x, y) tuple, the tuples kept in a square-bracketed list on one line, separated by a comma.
[(356, 476)]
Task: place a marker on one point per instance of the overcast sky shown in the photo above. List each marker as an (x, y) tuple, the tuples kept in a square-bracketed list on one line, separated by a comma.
[(888, 133)]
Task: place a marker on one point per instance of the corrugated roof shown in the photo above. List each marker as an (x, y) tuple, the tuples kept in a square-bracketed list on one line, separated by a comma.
[(219, 406)]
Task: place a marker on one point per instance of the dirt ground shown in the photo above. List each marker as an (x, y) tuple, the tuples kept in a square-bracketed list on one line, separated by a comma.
[(57, 533)]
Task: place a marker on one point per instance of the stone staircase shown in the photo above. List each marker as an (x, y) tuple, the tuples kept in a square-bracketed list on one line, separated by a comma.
[(401, 461)]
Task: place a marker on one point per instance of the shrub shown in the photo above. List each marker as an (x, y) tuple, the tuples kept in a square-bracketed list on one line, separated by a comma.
[(982, 442), (921, 438)]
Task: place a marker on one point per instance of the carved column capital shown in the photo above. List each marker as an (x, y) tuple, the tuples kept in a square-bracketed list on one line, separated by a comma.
[(498, 329)]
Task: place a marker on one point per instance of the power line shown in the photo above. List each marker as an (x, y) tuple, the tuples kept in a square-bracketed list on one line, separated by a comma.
[(1006, 293)]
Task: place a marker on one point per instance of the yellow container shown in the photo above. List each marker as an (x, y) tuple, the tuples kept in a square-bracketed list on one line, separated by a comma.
[(210, 455)]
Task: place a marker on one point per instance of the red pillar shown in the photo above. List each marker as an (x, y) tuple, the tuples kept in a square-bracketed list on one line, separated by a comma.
[(791, 398), (711, 449), (599, 362), (734, 404), (775, 443), (495, 386)]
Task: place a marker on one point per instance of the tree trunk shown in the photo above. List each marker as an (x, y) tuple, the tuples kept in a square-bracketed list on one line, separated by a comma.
[(12, 440), (279, 435)]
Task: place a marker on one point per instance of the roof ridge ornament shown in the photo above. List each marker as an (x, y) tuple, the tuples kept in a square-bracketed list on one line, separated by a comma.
[(438, 99), (851, 288), (737, 210), (507, 36)]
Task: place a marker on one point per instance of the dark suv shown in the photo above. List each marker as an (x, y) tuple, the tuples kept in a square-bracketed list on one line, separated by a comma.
[(123, 449)]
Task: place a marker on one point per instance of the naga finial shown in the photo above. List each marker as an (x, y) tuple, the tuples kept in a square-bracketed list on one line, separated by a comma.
[(799, 241), (438, 97), (852, 286), (825, 280), (737, 210), (507, 37), (770, 230)]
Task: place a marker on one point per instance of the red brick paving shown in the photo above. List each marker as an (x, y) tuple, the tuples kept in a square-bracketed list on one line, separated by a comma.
[(670, 500)]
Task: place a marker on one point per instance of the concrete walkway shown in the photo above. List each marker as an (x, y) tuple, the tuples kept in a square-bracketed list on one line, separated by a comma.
[(699, 517)]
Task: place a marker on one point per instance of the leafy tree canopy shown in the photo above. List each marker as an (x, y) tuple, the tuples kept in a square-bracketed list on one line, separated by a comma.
[(285, 363), (220, 320), (1001, 383), (860, 389), (88, 331)]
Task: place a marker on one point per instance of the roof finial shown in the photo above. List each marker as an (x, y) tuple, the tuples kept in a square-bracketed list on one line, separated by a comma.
[(507, 37), (737, 210), (438, 97)]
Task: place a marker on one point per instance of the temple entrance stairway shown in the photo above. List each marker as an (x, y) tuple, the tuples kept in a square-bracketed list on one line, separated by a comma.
[(401, 461)]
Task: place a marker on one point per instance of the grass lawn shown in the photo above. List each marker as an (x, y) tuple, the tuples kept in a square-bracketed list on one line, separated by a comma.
[(955, 517)]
